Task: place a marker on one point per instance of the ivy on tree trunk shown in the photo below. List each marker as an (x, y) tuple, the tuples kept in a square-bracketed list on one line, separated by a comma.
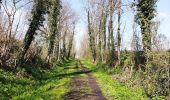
[(38, 11), (53, 18)]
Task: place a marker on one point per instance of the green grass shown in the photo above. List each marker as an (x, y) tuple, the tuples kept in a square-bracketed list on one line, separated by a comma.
[(48, 84), (113, 89)]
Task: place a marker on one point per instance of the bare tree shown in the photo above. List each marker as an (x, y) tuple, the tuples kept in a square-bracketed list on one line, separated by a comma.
[(10, 26)]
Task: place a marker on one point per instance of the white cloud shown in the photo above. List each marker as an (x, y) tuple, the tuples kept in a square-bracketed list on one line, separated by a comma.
[(163, 15)]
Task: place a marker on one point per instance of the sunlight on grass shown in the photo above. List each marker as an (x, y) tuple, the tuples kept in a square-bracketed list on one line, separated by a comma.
[(49, 84), (113, 89), (52, 91)]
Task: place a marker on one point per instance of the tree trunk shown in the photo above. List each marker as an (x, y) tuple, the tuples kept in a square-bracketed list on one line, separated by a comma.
[(112, 45), (104, 31), (36, 22), (100, 38), (118, 32), (64, 46), (92, 39), (70, 44), (53, 27)]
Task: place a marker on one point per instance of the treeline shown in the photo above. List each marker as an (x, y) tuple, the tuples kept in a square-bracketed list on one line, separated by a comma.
[(49, 37), (147, 63)]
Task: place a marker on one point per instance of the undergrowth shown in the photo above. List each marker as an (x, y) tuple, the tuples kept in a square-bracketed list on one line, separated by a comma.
[(49, 84)]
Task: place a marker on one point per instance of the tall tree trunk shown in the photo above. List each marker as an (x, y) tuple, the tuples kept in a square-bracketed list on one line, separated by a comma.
[(0, 3), (100, 38), (118, 31), (64, 46), (37, 19), (53, 28), (71, 43), (146, 40), (109, 39), (112, 45), (92, 39), (104, 31), (145, 14)]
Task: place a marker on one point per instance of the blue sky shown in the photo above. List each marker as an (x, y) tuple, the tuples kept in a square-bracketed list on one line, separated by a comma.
[(163, 10), (77, 5), (164, 15)]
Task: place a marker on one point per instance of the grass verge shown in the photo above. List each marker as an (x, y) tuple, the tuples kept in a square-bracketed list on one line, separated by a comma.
[(113, 89), (48, 84)]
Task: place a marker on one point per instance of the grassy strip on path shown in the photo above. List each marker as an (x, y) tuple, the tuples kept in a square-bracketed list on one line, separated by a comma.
[(49, 84), (112, 89)]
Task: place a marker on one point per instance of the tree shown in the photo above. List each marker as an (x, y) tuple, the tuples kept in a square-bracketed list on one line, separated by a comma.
[(111, 44), (64, 50), (10, 23), (118, 30), (63, 43), (100, 38), (53, 18), (38, 11), (91, 38), (136, 47), (0, 3), (105, 17), (145, 13), (103, 12), (70, 45)]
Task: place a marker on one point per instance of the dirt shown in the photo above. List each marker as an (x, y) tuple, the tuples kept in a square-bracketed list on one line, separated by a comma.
[(84, 87)]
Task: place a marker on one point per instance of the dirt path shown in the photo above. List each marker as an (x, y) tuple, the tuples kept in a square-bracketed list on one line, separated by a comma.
[(93, 84), (84, 87)]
